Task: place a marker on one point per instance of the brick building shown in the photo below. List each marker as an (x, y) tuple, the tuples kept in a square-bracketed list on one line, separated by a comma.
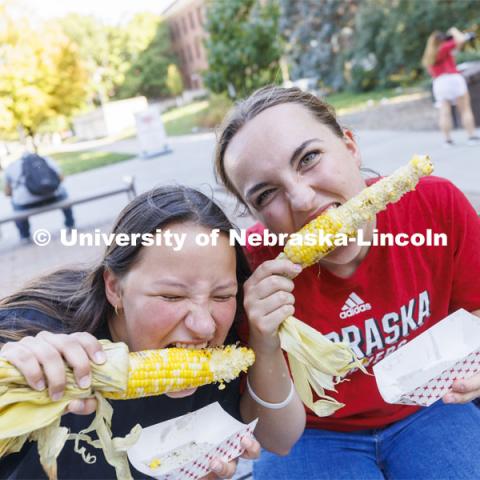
[(186, 20)]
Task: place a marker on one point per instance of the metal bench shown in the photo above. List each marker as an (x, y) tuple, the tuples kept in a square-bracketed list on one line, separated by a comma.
[(128, 187)]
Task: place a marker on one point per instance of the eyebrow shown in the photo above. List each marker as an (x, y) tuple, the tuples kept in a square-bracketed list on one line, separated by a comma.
[(296, 153)]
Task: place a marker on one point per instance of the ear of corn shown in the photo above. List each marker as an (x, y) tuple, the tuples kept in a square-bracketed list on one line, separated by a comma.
[(316, 363), (27, 414), (153, 372), (357, 211)]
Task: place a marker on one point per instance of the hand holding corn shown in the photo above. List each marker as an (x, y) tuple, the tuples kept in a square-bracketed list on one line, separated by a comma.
[(316, 362), (27, 414)]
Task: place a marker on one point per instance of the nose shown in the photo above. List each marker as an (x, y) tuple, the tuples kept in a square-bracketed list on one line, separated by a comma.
[(301, 197), (200, 322)]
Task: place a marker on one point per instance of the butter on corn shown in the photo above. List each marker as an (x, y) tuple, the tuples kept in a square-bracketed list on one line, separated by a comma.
[(315, 362), (349, 217), (27, 414)]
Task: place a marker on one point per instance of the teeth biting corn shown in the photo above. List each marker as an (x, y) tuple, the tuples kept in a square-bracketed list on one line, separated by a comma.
[(353, 214), (315, 362), (27, 414)]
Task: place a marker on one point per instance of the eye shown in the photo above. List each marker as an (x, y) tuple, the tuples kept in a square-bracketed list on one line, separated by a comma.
[(263, 197), (171, 298), (224, 298), (308, 159)]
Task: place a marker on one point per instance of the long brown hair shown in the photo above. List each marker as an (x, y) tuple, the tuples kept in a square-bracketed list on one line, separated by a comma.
[(77, 298), (259, 101), (431, 49)]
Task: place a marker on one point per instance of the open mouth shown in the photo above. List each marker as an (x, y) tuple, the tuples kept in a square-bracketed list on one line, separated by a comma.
[(191, 346)]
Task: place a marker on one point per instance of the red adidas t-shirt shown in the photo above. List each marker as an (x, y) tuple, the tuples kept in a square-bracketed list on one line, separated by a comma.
[(444, 62), (395, 294)]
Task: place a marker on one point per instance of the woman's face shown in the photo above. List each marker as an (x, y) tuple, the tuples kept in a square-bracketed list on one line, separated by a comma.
[(288, 167), (184, 298)]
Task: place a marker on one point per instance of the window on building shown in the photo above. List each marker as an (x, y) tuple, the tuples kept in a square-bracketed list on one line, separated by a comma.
[(185, 26), (190, 54), (199, 16), (192, 20)]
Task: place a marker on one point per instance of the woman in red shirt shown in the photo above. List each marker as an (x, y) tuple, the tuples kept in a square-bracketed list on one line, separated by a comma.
[(449, 86), (286, 158)]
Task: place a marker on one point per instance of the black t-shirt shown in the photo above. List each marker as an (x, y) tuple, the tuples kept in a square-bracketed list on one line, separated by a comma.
[(126, 414)]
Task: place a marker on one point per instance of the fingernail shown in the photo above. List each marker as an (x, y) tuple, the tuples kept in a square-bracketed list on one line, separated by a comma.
[(449, 398), (40, 385), (461, 387), (216, 466), (100, 357), (84, 382), (297, 268), (57, 396)]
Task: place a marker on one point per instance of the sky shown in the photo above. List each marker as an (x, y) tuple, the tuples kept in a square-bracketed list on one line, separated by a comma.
[(110, 11)]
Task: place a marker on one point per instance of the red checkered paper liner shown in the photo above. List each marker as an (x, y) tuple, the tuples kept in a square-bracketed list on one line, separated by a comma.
[(227, 450), (436, 388), (211, 426)]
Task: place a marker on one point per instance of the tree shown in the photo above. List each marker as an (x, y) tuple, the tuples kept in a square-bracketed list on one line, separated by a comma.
[(316, 34), (174, 80), (390, 37), (104, 51), (148, 71), (41, 77), (243, 46)]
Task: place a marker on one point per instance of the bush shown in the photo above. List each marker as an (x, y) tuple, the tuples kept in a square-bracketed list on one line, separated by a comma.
[(218, 107)]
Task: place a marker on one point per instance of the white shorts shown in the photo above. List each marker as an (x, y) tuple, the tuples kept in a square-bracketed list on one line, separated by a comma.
[(449, 86)]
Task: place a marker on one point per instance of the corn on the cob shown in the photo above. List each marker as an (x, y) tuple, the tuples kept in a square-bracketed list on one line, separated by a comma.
[(153, 372), (27, 414), (314, 360), (354, 213)]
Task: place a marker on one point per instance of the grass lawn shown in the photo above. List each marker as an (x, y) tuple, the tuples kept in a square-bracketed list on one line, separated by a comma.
[(350, 100), (184, 120), (75, 162)]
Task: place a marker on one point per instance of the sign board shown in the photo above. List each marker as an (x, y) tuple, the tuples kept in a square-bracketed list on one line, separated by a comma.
[(151, 133)]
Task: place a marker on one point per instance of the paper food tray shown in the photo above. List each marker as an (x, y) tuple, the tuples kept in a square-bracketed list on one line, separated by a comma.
[(185, 446), (423, 370)]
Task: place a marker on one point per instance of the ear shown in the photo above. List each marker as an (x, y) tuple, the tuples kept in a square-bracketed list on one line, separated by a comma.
[(113, 290), (352, 146)]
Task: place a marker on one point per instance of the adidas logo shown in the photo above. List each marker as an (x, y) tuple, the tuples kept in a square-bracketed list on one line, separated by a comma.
[(354, 305)]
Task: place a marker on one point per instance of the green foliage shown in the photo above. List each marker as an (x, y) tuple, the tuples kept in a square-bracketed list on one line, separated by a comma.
[(80, 161), (41, 76), (174, 80), (218, 107), (316, 34), (390, 37), (148, 72), (243, 46), (124, 60)]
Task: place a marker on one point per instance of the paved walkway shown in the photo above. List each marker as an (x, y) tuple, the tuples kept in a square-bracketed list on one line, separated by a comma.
[(190, 163)]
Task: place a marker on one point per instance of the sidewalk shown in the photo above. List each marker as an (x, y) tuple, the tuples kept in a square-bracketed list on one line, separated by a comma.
[(190, 163)]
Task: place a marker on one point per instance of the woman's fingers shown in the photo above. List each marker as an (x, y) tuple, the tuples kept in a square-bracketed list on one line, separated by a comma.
[(269, 305), (222, 469), (84, 406), (282, 267), (21, 357), (42, 358), (274, 283), (251, 448)]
